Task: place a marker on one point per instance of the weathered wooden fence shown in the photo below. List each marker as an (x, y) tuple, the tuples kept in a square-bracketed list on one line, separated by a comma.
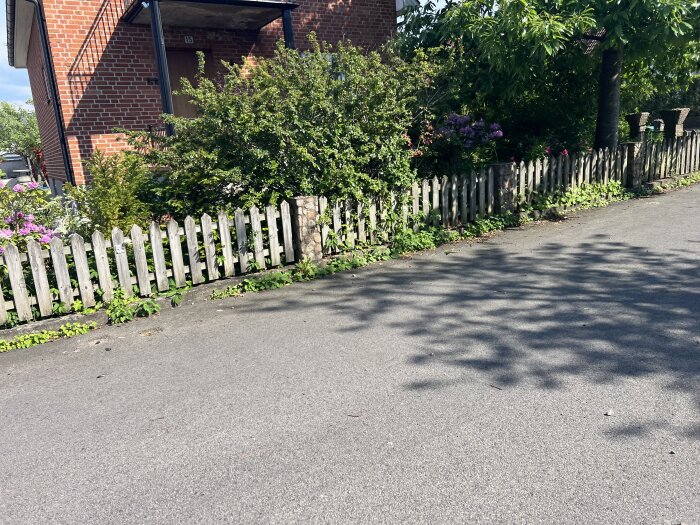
[(670, 157), (196, 251), (210, 249)]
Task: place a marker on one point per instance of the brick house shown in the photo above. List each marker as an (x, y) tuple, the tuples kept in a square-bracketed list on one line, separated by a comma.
[(97, 65)]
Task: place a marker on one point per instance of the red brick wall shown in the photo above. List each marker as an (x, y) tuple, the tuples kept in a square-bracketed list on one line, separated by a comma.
[(103, 66)]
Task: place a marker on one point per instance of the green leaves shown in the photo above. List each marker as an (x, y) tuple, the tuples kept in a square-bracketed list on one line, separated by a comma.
[(330, 121)]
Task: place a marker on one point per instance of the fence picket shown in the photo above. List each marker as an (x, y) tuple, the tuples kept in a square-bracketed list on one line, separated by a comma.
[(436, 199), (256, 227), (373, 222), (160, 270), (241, 240), (226, 245), (445, 201), (522, 174), (176, 258), (272, 235), (60, 270), (454, 201), (82, 269), (3, 309), (426, 199), (482, 193), (18, 284), (361, 230), (464, 202), (142, 277), (286, 219), (337, 225), (530, 182), (322, 206), (120, 257), (42, 289), (104, 275), (209, 247), (350, 227), (415, 192), (559, 182), (195, 259), (473, 182), (491, 196)]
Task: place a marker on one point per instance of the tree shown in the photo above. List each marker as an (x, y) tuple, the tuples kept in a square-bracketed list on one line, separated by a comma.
[(19, 132), (511, 44)]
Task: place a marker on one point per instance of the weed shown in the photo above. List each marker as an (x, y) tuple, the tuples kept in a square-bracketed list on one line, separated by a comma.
[(37, 338)]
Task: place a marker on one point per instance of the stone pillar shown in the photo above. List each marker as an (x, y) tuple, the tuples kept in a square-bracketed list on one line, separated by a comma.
[(638, 124), (505, 180), (305, 229), (635, 166), (673, 121)]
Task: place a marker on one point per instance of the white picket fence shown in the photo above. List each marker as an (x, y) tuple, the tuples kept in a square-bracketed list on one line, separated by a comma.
[(212, 250)]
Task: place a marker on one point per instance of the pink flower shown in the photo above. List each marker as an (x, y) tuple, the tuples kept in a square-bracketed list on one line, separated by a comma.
[(18, 188), (548, 150), (32, 185), (5, 234), (565, 152), (24, 231), (46, 238)]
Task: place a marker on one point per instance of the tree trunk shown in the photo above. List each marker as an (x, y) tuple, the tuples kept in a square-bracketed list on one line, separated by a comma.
[(607, 125)]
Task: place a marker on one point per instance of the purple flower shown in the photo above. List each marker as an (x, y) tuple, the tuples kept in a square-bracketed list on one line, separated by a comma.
[(30, 217), (24, 231), (32, 185), (9, 220), (18, 188), (495, 127), (496, 134), (6, 234), (2, 250), (46, 238)]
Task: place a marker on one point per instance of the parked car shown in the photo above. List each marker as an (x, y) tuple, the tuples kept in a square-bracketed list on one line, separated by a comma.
[(15, 169)]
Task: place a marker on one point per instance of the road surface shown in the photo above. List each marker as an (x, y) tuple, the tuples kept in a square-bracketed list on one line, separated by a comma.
[(469, 385)]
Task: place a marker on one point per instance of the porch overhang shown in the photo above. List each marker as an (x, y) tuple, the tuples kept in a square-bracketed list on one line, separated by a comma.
[(237, 15)]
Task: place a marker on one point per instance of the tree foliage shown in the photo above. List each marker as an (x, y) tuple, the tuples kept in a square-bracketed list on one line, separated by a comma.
[(538, 61), (19, 132)]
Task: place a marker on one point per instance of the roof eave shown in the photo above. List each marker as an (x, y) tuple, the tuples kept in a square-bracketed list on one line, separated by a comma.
[(10, 12)]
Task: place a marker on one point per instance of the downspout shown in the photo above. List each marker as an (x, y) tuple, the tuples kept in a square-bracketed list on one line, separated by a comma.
[(53, 88)]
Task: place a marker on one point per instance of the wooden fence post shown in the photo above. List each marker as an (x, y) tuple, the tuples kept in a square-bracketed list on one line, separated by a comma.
[(306, 230), (505, 187), (635, 166)]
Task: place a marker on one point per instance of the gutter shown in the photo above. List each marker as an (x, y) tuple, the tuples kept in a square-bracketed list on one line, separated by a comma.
[(50, 73), (10, 18)]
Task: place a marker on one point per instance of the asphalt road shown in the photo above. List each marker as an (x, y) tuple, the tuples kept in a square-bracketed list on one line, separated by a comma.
[(466, 385)]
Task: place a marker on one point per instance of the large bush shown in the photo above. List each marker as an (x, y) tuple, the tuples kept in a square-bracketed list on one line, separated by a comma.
[(330, 121), (119, 193)]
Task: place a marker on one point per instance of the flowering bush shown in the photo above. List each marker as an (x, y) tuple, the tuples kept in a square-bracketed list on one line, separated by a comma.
[(28, 212), (459, 141)]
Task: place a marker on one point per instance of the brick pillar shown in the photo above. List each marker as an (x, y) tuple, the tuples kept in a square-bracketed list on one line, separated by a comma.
[(673, 121), (306, 230), (505, 180), (638, 124), (635, 166)]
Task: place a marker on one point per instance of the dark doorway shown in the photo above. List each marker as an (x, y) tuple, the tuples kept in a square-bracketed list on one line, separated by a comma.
[(182, 63)]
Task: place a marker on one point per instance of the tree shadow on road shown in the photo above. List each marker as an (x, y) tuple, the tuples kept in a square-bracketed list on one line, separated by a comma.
[(600, 310)]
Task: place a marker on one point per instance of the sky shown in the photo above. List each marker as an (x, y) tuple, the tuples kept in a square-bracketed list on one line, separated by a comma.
[(14, 83)]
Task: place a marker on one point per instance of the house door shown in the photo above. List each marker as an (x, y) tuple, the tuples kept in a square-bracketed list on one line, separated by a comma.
[(182, 63)]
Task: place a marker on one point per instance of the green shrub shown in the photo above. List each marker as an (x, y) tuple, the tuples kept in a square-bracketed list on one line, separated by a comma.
[(330, 121), (119, 193)]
